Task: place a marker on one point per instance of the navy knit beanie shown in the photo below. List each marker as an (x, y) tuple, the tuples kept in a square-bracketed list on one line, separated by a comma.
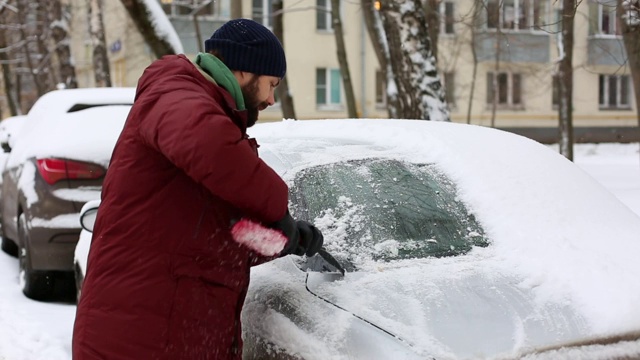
[(246, 45)]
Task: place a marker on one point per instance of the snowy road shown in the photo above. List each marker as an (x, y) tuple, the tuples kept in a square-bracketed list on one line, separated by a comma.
[(31, 330)]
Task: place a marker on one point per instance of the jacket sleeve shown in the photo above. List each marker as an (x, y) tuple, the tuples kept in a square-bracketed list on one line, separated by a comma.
[(199, 138)]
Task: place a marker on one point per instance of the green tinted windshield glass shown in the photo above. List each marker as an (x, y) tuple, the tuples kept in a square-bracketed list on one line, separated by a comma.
[(385, 210)]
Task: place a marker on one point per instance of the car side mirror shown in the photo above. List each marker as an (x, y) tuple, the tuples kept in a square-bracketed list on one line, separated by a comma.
[(88, 215), (5, 146)]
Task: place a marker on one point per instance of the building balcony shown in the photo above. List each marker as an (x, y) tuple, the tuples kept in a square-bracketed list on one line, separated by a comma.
[(606, 50), (513, 46)]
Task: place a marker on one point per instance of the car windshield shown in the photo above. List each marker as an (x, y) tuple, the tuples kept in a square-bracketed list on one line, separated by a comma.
[(385, 210)]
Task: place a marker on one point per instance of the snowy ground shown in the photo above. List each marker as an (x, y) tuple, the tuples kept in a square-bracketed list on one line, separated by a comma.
[(30, 330)]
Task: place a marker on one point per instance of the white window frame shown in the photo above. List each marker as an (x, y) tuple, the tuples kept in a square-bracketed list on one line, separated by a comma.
[(218, 9), (329, 105), (604, 91), (509, 104), (613, 20), (529, 17), (326, 12), (443, 17), (266, 9)]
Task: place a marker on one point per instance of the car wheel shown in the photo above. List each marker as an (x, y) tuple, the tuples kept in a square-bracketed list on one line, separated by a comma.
[(9, 247), (37, 285), (79, 279)]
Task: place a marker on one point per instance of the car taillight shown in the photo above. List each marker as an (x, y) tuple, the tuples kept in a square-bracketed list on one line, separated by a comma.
[(54, 170)]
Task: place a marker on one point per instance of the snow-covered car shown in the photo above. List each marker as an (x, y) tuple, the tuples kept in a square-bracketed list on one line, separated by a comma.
[(458, 241), (88, 215), (9, 129), (54, 167)]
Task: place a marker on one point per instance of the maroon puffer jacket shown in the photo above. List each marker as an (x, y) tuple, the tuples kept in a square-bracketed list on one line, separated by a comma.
[(165, 279)]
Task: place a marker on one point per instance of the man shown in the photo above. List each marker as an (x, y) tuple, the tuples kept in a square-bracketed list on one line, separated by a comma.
[(166, 277)]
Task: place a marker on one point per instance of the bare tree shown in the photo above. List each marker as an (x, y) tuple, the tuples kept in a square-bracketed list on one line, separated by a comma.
[(381, 47), (59, 16), (101, 68), (142, 16), (401, 30), (286, 100), (629, 12), (432, 16), (5, 61), (32, 35), (495, 90), (478, 7), (565, 78), (336, 22), (236, 9)]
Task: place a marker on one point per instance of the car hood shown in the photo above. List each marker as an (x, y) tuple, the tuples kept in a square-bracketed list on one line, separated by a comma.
[(454, 308)]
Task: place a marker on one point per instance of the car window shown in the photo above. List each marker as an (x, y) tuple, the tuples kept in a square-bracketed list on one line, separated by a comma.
[(385, 210)]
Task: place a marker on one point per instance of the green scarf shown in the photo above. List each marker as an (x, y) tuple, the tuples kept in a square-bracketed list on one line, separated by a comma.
[(221, 74)]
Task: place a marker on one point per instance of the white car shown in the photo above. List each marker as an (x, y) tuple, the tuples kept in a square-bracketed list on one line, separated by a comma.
[(458, 242), (9, 130), (56, 164), (88, 215)]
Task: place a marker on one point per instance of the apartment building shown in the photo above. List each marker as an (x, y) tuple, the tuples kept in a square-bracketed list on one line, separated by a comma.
[(514, 42)]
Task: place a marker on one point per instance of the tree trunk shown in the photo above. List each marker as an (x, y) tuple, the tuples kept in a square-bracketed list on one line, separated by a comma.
[(379, 41), (59, 19), (7, 76), (26, 40), (629, 14), (421, 94), (196, 26), (42, 35), (477, 11), (101, 67), (336, 22), (140, 14), (494, 86), (286, 100), (236, 9), (565, 79), (432, 14)]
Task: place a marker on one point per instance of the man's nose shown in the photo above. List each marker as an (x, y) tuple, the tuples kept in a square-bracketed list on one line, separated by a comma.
[(272, 98)]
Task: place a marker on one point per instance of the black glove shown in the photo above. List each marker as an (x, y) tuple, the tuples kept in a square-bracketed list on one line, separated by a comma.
[(289, 229), (311, 239)]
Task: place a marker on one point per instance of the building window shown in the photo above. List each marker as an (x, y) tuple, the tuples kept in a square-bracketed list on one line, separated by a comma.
[(323, 15), (450, 88), (381, 89), (261, 12), (614, 92), (219, 9), (518, 15), (607, 21), (446, 17), (328, 85), (509, 91)]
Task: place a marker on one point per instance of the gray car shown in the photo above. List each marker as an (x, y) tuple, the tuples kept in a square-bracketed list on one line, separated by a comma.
[(57, 164), (442, 241)]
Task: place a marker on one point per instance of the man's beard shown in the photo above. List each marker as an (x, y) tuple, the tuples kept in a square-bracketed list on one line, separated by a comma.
[(251, 101)]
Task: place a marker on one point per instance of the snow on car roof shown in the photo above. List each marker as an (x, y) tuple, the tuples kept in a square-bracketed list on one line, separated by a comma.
[(547, 220), (87, 135), (61, 101)]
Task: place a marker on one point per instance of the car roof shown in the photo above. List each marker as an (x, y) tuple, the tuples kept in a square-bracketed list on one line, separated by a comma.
[(70, 100)]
